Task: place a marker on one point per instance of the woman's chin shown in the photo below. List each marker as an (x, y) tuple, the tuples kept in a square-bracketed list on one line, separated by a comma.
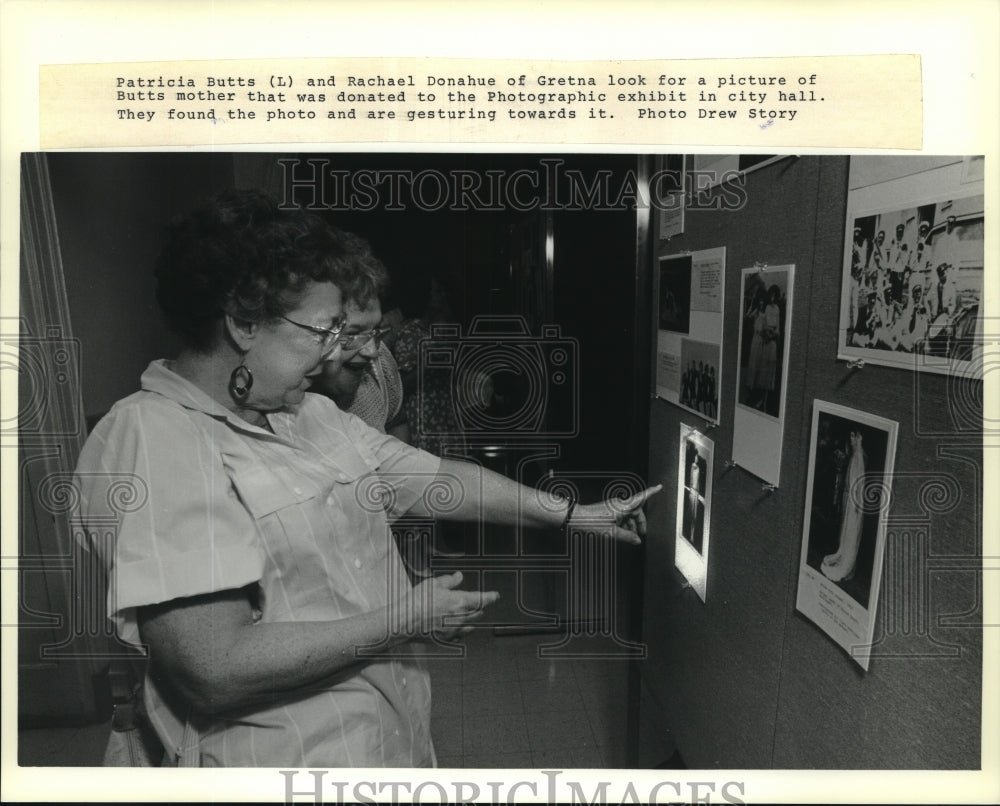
[(298, 394)]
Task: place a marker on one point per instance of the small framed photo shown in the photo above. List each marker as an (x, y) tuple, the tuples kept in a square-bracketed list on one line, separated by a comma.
[(848, 491), (694, 507)]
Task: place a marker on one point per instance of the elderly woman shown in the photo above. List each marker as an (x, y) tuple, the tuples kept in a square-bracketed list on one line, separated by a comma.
[(254, 559)]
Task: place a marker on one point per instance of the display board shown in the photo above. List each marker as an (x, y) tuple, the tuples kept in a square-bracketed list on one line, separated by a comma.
[(795, 699)]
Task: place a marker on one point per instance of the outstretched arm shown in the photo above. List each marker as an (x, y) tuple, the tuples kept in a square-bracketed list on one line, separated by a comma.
[(479, 493)]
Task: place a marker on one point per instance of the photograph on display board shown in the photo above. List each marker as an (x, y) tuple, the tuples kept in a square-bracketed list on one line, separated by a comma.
[(762, 376), (848, 491), (694, 507), (695, 478), (690, 297), (699, 377), (913, 285), (763, 333), (675, 294)]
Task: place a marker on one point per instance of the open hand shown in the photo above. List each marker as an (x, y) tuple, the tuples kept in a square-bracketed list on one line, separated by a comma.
[(437, 606)]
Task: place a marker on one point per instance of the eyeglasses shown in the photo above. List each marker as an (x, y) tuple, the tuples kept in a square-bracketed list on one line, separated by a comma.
[(355, 341), (328, 336)]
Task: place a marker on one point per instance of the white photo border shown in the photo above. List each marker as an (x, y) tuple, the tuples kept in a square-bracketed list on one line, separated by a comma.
[(813, 585), (758, 435), (693, 564), (908, 360)]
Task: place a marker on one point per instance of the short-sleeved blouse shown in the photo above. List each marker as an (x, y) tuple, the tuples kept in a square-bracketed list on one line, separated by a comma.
[(200, 501)]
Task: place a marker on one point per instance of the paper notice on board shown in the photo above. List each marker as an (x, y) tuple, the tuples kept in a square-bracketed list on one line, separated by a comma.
[(706, 283), (824, 101), (672, 217)]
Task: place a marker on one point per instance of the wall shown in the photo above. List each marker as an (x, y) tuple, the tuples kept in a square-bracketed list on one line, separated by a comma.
[(111, 210), (744, 680)]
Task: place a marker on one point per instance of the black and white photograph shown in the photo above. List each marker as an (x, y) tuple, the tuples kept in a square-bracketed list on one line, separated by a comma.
[(695, 477), (763, 335), (355, 465), (912, 292), (441, 376), (691, 298), (848, 491), (675, 294), (765, 338), (700, 377), (694, 507)]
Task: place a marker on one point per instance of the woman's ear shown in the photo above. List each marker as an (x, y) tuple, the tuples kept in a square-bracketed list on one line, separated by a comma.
[(241, 331)]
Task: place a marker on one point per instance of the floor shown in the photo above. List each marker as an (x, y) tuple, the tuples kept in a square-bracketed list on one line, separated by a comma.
[(501, 706)]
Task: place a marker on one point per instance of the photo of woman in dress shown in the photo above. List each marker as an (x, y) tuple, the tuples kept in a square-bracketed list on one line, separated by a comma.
[(840, 565), (848, 474), (693, 524), (675, 294), (754, 316), (695, 474), (762, 341)]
